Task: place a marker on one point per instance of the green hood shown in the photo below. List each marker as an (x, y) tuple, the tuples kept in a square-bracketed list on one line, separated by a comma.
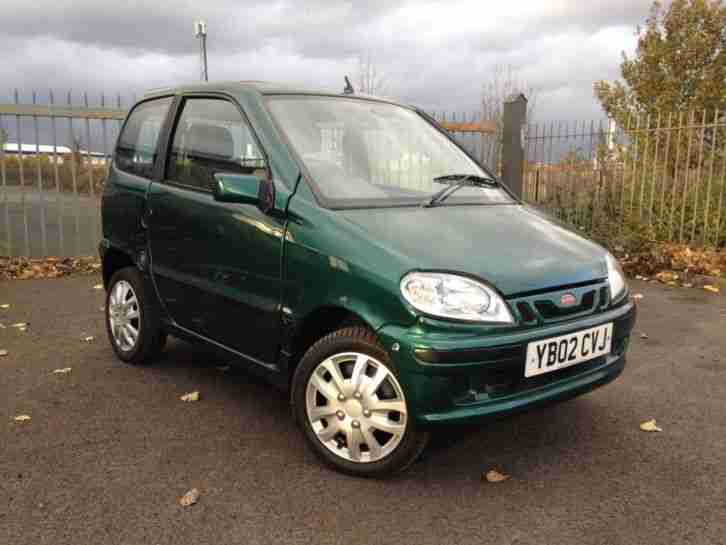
[(512, 247)]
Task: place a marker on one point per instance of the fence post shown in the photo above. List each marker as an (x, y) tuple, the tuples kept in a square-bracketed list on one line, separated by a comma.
[(514, 119)]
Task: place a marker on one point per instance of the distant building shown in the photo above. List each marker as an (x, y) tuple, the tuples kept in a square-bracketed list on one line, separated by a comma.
[(55, 154)]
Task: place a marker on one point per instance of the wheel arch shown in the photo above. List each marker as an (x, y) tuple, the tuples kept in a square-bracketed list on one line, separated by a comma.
[(315, 325), (113, 260)]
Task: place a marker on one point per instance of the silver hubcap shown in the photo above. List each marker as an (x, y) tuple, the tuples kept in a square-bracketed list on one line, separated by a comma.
[(356, 407), (124, 316)]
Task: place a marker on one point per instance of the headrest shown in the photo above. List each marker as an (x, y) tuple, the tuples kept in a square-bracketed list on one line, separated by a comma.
[(355, 154), (210, 140)]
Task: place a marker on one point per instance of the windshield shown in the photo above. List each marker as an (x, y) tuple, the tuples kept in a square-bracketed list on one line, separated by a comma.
[(362, 153)]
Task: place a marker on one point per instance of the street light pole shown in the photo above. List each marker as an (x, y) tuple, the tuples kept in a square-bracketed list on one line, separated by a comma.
[(200, 31)]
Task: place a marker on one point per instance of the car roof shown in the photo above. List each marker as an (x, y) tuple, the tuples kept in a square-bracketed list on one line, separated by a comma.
[(262, 87)]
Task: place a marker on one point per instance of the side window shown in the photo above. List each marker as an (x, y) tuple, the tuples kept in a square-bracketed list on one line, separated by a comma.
[(136, 149), (211, 137)]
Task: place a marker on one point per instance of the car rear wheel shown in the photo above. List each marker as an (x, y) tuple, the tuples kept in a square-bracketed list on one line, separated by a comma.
[(132, 320), (350, 404)]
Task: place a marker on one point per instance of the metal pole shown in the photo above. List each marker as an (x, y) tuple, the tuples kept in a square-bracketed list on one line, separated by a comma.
[(200, 31), (204, 57), (514, 119)]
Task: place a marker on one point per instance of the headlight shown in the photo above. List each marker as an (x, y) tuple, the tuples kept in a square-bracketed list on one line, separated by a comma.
[(616, 278), (452, 296)]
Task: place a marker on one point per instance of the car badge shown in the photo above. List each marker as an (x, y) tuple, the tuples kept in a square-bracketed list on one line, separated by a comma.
[(567, 300)]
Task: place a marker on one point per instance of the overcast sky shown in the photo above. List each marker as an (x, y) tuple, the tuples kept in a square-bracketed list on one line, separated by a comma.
[(435, 54)]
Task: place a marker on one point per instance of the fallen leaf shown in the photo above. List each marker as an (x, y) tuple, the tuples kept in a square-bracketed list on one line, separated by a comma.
[(3, 353), (102, 309), (493, 476), (62, 371), (190, 498), (2, 326), (643, 335), (22, 418), (638, 296), (713, 289), (50, 267), (98, 287), (650, 425), (5, 305), (20, 325), (667, 276), (223, 368), (687, 285), (191, 396), (87, 339)]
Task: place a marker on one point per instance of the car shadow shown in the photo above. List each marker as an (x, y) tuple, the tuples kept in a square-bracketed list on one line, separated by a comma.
[(542, 438), (203, 367)]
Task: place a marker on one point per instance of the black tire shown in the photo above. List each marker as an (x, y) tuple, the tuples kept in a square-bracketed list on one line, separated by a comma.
[(151, 339), (362, 340)]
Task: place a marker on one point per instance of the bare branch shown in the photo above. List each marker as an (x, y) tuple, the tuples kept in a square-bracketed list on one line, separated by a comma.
[(371, 81), (503, 83)]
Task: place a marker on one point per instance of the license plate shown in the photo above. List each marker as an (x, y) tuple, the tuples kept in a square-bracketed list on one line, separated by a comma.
[(558, 352)]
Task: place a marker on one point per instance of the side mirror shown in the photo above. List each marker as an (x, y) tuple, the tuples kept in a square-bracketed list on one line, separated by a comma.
[(244, 189)]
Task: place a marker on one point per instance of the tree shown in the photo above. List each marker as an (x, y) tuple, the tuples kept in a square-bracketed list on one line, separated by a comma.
[(676, 76), (679, 63), (371, 80), (502, 83)]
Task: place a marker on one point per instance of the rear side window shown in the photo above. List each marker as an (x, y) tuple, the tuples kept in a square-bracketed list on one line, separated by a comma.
[(136, 149), (211, 137)]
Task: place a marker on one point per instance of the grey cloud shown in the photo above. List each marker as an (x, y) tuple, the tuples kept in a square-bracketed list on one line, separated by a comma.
[(438, 60), (142, 26), (313, 28)]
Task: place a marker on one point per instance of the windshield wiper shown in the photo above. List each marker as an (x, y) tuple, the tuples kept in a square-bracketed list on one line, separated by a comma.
[(455, 182)]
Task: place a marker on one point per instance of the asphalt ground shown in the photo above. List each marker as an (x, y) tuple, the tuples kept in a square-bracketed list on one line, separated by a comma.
[(110, 448)]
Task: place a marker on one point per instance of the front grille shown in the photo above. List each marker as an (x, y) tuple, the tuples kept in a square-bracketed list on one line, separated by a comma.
[(604, 297), (526, 313), (549, 310), (544, 308)]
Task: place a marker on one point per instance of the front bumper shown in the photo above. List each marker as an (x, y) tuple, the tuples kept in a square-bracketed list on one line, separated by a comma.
[(458, 376)]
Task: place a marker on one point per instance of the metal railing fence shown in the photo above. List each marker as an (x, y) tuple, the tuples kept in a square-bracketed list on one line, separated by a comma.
[(54, 153), (480, 137), (663, 175)]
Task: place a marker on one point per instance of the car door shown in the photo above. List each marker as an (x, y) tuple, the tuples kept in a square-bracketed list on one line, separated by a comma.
[(130, 174), (216, 265)]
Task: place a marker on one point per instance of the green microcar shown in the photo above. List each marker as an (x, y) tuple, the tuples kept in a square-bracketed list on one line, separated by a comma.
[(348, 250)]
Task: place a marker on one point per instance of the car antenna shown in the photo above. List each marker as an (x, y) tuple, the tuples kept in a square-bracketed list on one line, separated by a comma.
[(348, 89)]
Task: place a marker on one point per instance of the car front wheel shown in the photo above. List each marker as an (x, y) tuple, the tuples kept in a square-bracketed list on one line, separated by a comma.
[(350, 404)]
